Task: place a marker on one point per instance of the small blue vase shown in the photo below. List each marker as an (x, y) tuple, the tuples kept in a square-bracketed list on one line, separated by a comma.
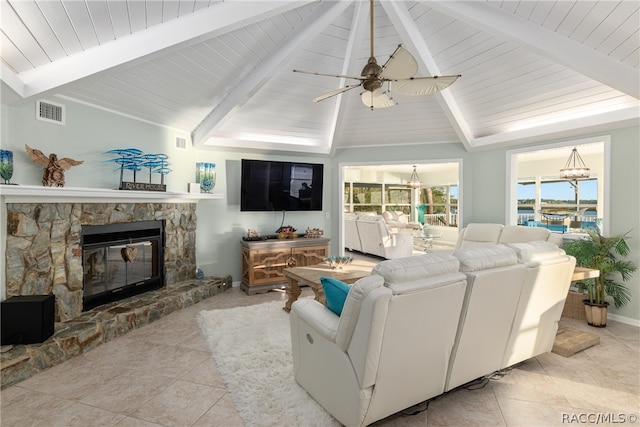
[(206, 176), (6, 165)]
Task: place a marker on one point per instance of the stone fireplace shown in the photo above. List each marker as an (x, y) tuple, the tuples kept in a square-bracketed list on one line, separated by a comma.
[(44, 252)]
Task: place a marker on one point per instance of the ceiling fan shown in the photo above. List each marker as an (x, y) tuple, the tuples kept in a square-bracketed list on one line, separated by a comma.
[(398, 72)]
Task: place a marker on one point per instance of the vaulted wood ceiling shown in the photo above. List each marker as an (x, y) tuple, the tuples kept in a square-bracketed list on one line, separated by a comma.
[(222, 71)]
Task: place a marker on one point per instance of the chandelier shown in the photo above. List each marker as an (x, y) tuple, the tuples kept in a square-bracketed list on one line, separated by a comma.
[(414, 180), (575, 168)]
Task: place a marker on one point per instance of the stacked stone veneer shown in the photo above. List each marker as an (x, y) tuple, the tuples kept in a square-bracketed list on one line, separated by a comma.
[(44, 256)]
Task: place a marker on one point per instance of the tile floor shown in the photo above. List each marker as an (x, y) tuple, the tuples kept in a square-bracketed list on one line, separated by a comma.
[(164, 375)]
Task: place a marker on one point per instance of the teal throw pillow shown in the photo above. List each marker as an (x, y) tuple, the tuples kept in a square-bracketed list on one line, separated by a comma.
[(335, 293)]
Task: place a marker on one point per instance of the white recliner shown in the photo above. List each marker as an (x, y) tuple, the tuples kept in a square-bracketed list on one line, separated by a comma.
[(390, 347), (494, 284), (399, 221), (377, 239), (544, 291)]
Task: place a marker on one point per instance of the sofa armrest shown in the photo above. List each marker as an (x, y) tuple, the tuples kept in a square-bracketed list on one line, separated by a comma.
[(318, 317)]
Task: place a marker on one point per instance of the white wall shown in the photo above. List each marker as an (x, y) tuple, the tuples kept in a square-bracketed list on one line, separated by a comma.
[(89, 132), (221, 225)]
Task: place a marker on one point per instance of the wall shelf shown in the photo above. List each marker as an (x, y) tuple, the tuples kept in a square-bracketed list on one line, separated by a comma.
[(40, 194)]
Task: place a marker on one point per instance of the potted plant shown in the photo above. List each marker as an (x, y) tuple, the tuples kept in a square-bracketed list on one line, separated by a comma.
[(603, 254)]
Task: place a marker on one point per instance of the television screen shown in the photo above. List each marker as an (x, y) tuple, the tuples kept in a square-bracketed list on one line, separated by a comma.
[(280, 186)]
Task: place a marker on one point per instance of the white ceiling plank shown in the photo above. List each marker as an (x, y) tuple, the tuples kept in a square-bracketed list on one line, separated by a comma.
[(186, 7), (546, 43), (200, 4), (61, 25), (81, 21), (541, 11), (153, 12), (12, 57), (324, 14), (119, 13), (20, 36), (207, 23), (101, 19), (592, 20), (559, 13), (33, 18), (607, 27), (170, 10), (628, 51), (616, 38), (411, 36)]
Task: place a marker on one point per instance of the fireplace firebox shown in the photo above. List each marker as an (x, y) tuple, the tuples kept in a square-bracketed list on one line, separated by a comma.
[(120, 260)]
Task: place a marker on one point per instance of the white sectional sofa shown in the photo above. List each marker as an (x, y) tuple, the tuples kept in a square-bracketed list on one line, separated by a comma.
[(482, 234), (423, 325), (369, 234)]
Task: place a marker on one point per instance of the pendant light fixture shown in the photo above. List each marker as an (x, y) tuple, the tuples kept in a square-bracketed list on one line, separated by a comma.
[(414, 180), (575, 168)]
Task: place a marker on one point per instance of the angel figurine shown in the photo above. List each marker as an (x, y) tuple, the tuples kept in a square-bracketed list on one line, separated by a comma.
[(53, 175)]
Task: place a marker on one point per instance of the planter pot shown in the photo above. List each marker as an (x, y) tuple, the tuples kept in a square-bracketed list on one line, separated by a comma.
[(596, 314)]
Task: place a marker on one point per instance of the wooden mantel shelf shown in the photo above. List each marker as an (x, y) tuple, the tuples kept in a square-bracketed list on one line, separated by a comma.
[(39, 194)]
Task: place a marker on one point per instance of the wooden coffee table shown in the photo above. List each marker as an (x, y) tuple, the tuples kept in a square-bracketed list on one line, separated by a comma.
[(310, 276)]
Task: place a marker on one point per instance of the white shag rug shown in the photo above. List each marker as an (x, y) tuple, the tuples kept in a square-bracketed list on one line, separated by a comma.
[(252, 348)]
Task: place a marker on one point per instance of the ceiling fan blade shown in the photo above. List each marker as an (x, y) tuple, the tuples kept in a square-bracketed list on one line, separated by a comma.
[(400, 65), (315, 73), (377, 99), (334, 93), (422, 85)]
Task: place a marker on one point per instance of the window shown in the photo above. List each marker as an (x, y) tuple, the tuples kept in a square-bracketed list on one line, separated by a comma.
[(540, 197), (438, 205), (366, 197)]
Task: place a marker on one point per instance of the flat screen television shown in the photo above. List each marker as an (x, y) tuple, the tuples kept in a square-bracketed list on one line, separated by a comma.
[(280, 186)]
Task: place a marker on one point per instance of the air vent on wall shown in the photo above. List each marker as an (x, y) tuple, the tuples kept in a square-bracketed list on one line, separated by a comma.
[(50, 112), (181, 143)]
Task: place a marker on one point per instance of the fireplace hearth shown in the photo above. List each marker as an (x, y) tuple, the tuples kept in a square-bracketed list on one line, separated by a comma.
[(121, 260)]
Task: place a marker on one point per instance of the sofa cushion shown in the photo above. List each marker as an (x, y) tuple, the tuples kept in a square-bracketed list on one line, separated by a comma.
[(522, 234), (335, 293), (351, 309), (536, 251), (416, 267), (483, 258), (480, 234)]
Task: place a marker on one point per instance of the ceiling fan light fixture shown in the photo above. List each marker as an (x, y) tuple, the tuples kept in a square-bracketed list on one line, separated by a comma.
[(414, 179), (377, 99), (397, 71)]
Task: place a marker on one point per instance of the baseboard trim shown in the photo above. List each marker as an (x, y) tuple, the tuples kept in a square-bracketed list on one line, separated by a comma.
[(624, 319)]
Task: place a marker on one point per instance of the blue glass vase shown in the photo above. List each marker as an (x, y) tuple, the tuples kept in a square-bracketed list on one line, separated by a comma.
[(206, 176), (6, 165)]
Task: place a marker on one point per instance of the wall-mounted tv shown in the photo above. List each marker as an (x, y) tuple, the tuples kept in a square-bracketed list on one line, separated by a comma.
[(280, 186)]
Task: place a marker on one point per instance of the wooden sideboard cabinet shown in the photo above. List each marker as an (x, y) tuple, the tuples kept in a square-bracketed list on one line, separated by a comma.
[(263, 261)]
